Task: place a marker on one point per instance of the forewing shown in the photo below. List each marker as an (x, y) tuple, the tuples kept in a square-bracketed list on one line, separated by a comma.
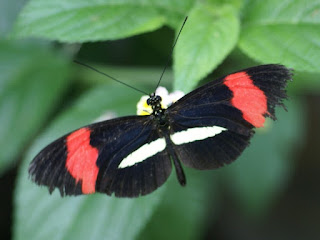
[(91, 159), (212, 125)]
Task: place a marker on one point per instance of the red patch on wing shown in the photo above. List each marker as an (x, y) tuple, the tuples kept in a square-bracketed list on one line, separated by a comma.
[(81, 159), (248, 98)]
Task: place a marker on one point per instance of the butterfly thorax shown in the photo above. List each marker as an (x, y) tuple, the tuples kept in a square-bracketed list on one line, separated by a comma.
[(157, 111)]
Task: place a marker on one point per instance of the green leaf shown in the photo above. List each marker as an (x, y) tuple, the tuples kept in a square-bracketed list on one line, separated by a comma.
[(81, 20), (39, 215), (174, 10), (209, 35), (32, 80), (8, 13), (183, 212), (237, 4), (264, 169), (286, 32)]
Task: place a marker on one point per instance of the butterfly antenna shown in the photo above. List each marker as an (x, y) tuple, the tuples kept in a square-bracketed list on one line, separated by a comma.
[(170, 55), (98, 71)]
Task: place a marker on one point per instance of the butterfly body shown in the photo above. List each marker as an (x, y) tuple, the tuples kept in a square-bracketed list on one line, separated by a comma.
[(132, 156)]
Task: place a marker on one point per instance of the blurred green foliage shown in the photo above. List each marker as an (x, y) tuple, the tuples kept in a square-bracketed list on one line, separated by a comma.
[(42, 92), (28, 93)]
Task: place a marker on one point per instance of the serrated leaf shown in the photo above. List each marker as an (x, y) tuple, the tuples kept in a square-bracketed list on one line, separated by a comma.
[(286, 32), (40, 215), (263, 170), (209, 35), (81, 20), (32, 80)]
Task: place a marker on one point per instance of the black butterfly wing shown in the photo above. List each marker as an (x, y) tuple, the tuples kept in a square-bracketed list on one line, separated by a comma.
[(130, 156), (212, 125), (98, 158)]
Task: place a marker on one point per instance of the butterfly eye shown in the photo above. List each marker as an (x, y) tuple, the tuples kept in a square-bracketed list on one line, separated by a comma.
[(158, 98)]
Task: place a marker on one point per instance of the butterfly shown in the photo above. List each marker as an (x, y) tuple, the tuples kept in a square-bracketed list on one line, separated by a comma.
[(134, 155)]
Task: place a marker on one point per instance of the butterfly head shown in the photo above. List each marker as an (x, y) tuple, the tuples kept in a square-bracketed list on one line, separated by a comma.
[(159, 100), (154, 101)]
